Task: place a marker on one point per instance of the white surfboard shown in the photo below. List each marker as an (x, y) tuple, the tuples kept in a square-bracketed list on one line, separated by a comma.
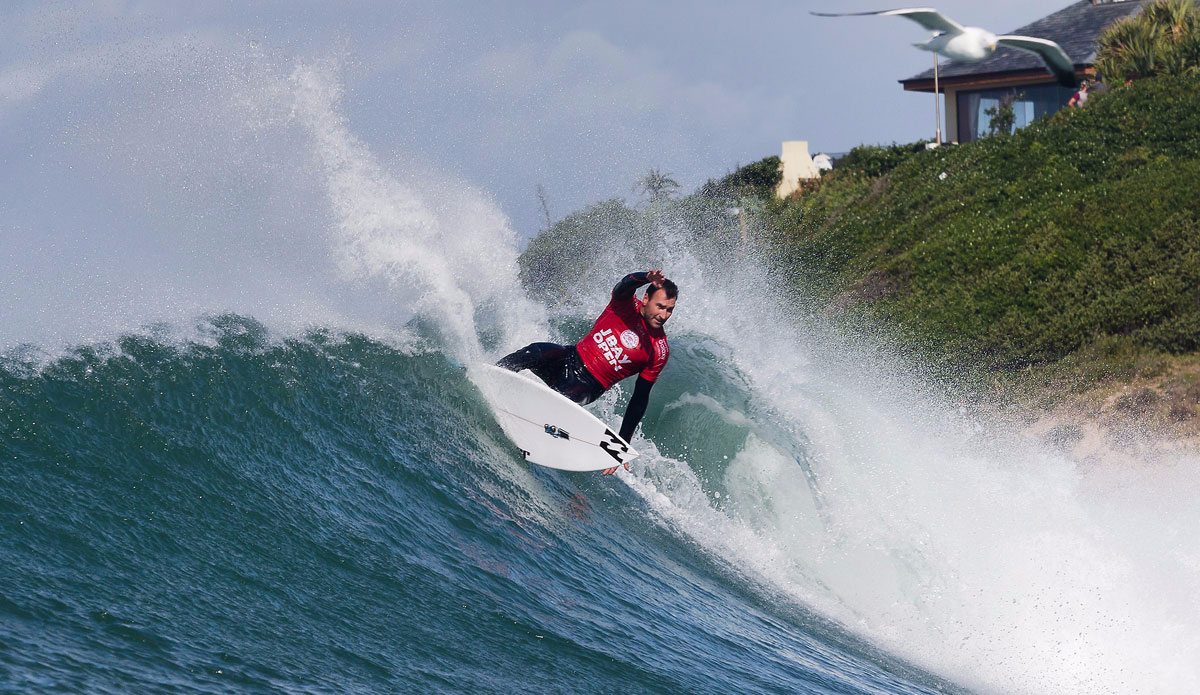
[(549, 428)]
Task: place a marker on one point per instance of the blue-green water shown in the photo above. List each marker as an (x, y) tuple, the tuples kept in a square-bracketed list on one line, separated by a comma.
[(329, 514)]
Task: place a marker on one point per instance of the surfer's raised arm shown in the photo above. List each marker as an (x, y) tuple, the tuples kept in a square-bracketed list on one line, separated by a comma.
[(626, 339), (627, 286)]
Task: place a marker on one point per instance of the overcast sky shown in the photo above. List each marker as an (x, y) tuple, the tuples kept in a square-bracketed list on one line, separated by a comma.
[(580, 97)]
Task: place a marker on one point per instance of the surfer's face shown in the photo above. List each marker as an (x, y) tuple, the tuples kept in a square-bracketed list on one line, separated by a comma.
[(657, 308)]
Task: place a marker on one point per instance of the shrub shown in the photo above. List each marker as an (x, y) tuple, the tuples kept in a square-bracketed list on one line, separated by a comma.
[(1020, 250), (877, 160), (758, 180)]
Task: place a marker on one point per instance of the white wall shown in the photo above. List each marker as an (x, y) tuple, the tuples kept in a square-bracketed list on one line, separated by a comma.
[(797, 164)]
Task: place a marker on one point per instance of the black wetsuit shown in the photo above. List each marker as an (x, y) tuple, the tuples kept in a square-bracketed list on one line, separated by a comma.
[(559, 366)]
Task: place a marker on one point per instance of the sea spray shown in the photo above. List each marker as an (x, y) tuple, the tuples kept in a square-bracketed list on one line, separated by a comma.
[(442, 250), (864, 494), (205, 176)]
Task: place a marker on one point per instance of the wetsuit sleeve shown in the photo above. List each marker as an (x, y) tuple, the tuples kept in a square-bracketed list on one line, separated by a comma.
[(636, 408), (628, 285)]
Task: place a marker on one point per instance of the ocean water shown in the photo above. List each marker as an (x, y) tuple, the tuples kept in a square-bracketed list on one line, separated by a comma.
[(337, 515), (239, 452)]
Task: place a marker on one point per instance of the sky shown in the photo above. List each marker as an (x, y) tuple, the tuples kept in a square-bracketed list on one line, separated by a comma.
[(581, 98), (162, 160)]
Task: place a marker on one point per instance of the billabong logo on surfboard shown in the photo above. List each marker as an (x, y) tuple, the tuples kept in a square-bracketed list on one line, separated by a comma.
[(615, 447)]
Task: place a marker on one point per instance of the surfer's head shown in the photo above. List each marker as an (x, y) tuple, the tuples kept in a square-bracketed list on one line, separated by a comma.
[(659, 303)]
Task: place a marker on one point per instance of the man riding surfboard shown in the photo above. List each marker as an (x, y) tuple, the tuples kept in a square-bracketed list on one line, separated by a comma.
[(626, 339)]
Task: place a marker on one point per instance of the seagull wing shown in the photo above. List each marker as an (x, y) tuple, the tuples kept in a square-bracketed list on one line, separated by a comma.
[(927, 17), (1051, 54)]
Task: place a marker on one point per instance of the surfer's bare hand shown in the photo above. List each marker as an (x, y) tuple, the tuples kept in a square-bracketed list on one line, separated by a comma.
[(610, 471), (656, 277)]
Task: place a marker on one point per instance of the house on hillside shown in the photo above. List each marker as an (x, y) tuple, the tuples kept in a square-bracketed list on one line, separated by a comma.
[(796, 165), (973, 88)]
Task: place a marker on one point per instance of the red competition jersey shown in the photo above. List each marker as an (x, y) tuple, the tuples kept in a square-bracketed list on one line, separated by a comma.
[(620, 344)]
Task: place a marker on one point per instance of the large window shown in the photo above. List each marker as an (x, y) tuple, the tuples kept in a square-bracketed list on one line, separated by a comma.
[(1028, 102)]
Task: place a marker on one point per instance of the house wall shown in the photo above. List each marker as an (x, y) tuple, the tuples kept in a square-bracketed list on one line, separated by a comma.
[(797, 164), (950, 128)]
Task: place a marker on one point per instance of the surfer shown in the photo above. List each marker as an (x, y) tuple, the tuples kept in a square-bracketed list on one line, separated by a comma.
[(627, 339)]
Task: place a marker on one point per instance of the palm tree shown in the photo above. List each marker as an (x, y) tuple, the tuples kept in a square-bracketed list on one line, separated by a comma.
[(1164, 39), (657, 186)]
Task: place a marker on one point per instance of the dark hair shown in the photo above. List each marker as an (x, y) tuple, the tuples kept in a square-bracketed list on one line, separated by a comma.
[(667, 286)]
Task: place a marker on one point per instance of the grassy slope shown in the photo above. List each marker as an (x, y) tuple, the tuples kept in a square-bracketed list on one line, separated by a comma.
[(1073, 241)]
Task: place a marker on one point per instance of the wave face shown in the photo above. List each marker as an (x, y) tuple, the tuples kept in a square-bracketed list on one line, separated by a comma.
[(326, 514), (330, 512)]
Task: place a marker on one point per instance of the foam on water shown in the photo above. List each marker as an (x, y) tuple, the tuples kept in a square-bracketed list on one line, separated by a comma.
[(942, 537)]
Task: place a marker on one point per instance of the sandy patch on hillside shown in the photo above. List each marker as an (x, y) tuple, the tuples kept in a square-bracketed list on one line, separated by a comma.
[(1143, 421)]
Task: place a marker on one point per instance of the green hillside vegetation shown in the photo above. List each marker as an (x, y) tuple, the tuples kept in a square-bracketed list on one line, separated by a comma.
[(1077, 236)]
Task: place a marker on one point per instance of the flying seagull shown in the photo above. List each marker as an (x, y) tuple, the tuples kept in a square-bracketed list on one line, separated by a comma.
[(973, 44)]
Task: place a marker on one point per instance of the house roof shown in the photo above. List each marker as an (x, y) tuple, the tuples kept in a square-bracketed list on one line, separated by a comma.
[(1075, 28)]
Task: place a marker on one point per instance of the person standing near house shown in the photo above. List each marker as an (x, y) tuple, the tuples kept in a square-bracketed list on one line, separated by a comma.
[(1080, 98)]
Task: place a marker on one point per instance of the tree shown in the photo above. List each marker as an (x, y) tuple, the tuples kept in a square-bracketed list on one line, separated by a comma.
[(759, 179), (657, 186), (1163, 39), (1002, 116), (541, 194)]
